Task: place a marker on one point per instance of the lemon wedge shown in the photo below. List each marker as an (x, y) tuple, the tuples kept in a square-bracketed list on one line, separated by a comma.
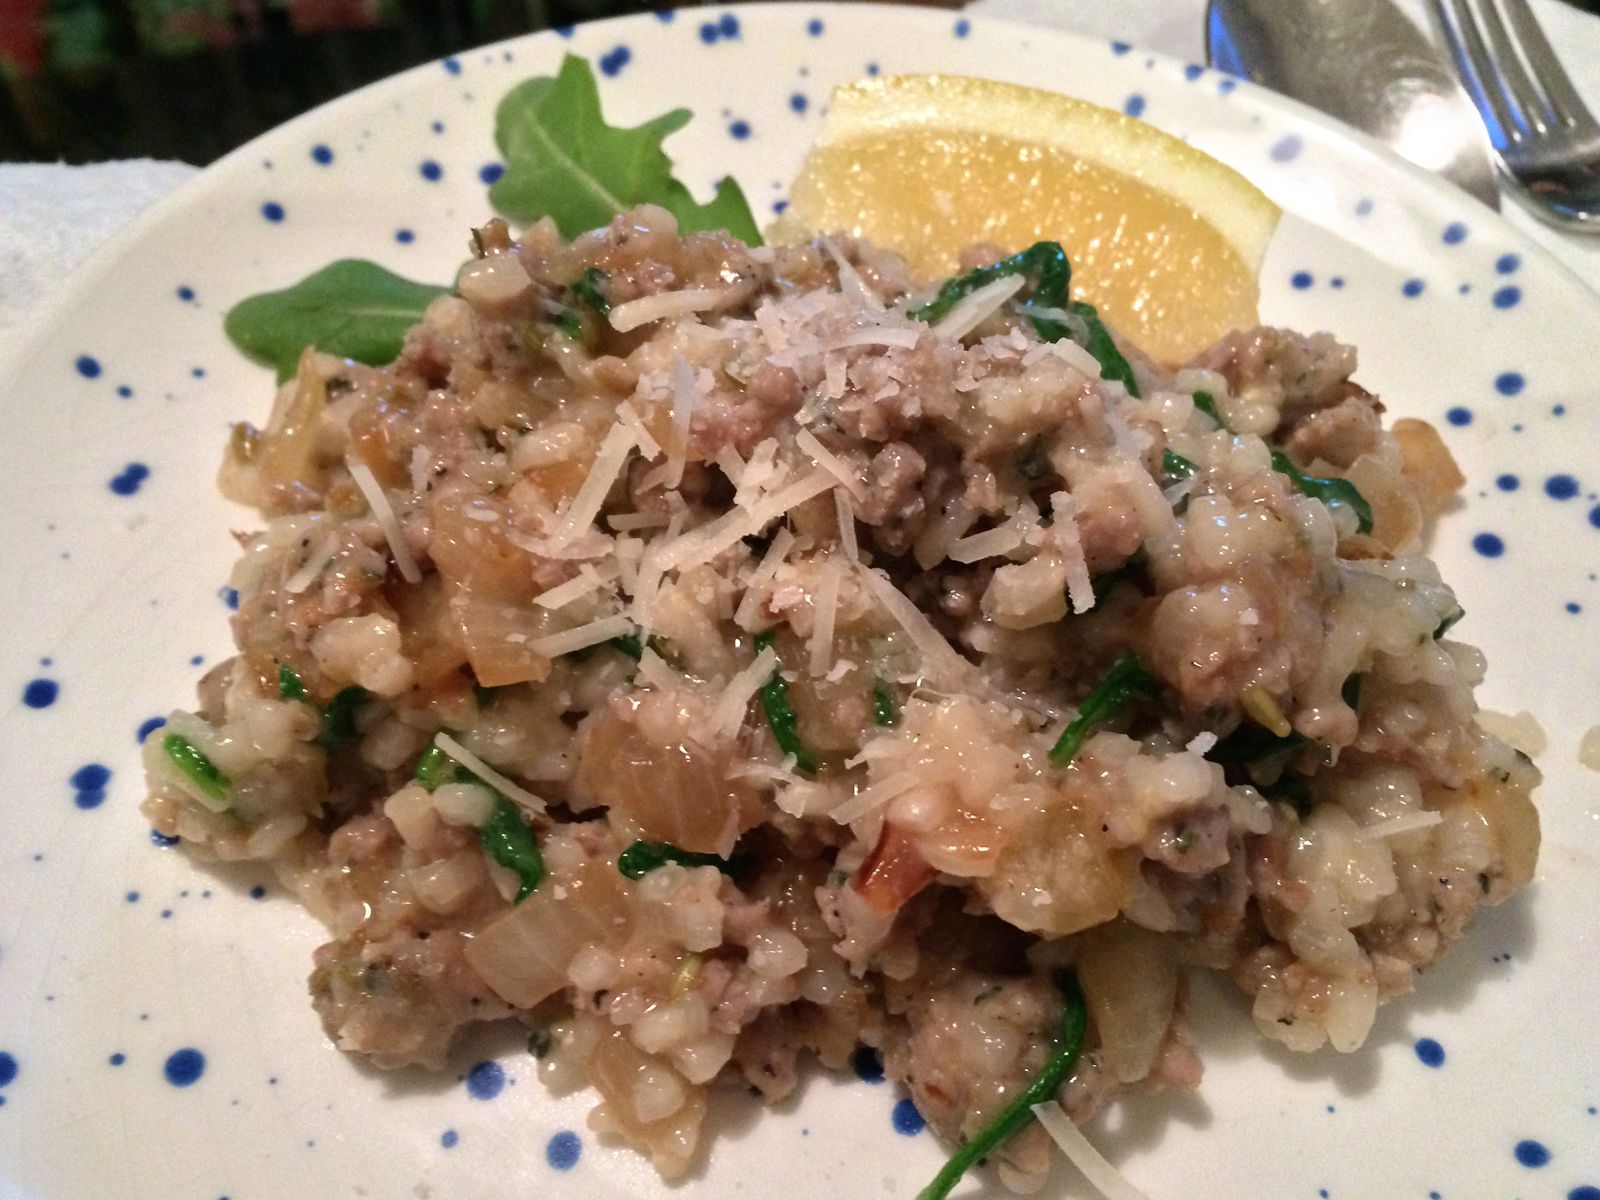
[(1164, 240)]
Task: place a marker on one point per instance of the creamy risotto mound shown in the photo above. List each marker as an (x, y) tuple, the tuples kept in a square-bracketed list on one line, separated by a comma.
[(715, 656)]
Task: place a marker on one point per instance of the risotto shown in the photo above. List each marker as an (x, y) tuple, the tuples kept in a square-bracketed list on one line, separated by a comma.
[(712, 656)]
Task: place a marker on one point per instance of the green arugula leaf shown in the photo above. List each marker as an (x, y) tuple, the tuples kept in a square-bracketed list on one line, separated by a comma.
[(563, 161), (352, 308)]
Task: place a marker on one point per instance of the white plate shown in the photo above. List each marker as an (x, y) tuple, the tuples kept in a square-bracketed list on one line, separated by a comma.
[(116, 954)]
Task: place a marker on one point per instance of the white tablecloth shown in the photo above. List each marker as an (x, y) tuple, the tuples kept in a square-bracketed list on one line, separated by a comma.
[(52, 217)]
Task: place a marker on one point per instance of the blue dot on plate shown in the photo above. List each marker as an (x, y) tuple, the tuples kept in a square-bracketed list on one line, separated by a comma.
[(449, 1138), (8, 1068), (708, 32), (1585, 1192), (1225, 85), (430, 170), (186, 293), (1287, 148), (1561, 487), (40, 693), (728, 25), (1490, 545), (127, 483), (867, 1065), (438, 126), (1507, 263), (739, 130), (1459, 416), (1507, 483), (157, 838), (814, 27), (1509, 383), (89, 781), (1412, 288), (1301, 280), (272, 211), (321, 155), (963, 27), (1133, 105), (1120, 48), (1455, 233), (132, 897), (184, 1066), (124, 390), (1193, 71), (117, 1059), (1531, 1153), (563, 1150), (613, 60), (798, 103), (1364, 206), (906, 1119), (229, 596), (404, 236), (87, 366), (1508, 296), (1430, 1052), (485, 1080), (490, 172), (451, 65), (1574, 607)]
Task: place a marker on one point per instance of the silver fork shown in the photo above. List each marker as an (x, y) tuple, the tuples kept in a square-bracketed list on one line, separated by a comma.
[(1546, 140)]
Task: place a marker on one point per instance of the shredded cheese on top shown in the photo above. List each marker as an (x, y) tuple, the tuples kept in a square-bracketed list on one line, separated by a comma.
[(1395, 826), (807, 442), (630, 315), (592, 634), (383, 513), (608, 463), (874, 796), (321, 555), (469, 760), (1064, 532), (975, 307), (728, 715), (938, 657), (825, 614), (1105, 1178), (845, 512)]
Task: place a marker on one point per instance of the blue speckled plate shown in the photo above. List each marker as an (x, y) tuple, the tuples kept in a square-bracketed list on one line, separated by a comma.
[(155, 1037)]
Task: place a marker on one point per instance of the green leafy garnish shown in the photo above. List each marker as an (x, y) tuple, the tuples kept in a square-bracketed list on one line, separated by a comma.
[(508, 839), (1207, 403), (883, 712), (1113, 365), (351, 308), (564, 162), (433, 768), (1450, 619), (1016, 1115), (1332, 492), (781, 717), (589, 289), (1034, 463), (639, 859), (339, 718), (1126, 679), (540, 1043), (290, 685), (1254, 745), (1175, 467), (202, 772), (630, 644), (570, 323)]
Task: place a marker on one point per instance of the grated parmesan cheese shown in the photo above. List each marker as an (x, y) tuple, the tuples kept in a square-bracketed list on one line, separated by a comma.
[(634, 313), (592, 634), (938, 658), (782, 542), (807, 442), (488, 774), (845, 513), (991, 543), (421, 459), (1105, 1178), (608, 463), (383, 513), (731, 706), (850, 282), (934, 542), (1201, 743), (648, 446), (587, 580), (627, 522), (975, 307), (1395, 826), (729, 462), (826, 609), (320, 556), (1064, 532), (874, 796)]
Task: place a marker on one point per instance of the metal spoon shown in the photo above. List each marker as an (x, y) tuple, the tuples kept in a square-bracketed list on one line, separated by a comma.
[(1364, 63)]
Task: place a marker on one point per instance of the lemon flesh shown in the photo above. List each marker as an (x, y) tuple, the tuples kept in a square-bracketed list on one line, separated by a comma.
[(1165, 240)]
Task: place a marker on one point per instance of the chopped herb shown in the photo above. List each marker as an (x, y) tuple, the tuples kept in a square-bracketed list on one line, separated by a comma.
[(1252, 744), (883, 711), (1131, 572), (639, 859), (1044, 262), (433, 768), (1293, 790), (1125, 679), (1350, 693), (570, 323), (629, 643), (1446, 625), (339, 718), (588, 289), (1113, 365), (1034, 464), (508, 839), (1207, 403), (202, 772), (1015, 1116), (290, 685), (1175, 467), (540, 1043), (781, 718), (483, 695), (1331, 492)]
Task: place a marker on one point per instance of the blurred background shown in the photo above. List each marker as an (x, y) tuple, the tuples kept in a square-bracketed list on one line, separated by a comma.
[(90, 80)]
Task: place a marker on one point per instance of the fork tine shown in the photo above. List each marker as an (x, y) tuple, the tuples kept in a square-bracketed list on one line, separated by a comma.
[(1471, 57), (1523, 100), (1565, 105)]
